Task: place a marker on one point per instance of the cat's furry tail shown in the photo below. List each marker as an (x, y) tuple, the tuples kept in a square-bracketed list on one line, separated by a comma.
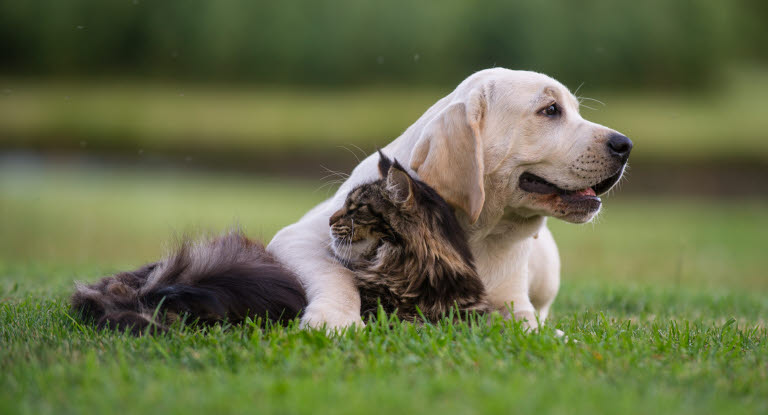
[(226, 278)]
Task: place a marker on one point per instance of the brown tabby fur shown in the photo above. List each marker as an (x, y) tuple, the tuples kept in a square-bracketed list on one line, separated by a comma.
[(418, 258), (415, 255), (226, 278)]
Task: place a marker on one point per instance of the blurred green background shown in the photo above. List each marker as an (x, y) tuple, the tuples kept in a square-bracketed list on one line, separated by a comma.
[(123, 123)]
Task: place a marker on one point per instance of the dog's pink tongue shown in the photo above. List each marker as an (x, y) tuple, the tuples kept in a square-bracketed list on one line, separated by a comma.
[(585, 192)]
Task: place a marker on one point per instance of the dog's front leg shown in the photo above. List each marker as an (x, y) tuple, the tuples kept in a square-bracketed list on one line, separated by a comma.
[(515, 295), (333, 297), (504, 270)]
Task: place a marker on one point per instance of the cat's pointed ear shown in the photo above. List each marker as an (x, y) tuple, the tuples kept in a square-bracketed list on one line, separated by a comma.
[(399, 184), (384, 164)]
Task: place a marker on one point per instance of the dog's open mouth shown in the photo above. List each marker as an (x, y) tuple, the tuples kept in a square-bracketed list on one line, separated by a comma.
[(587, 197)]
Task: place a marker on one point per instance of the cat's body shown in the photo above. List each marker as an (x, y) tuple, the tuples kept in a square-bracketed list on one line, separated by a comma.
[(406, 250)]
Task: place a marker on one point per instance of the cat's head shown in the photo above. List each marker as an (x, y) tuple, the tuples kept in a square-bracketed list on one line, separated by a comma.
[(396, 209)]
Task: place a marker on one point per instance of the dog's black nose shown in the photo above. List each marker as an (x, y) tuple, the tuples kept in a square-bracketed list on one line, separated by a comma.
[(619, 146)]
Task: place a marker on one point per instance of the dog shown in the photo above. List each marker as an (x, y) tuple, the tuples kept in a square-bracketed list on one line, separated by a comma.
[(507, 149)]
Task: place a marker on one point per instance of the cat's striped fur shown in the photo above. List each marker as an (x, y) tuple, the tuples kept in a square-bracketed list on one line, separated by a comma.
[(406, 248), (416, 256), (226, 278)]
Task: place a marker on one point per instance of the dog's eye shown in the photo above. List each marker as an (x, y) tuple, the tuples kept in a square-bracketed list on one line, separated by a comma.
[(552, 110)]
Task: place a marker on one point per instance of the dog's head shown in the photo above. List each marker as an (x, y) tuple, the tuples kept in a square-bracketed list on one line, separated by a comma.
[(514, 141)]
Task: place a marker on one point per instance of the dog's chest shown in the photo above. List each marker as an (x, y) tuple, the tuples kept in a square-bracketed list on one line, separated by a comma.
[(501, 261)]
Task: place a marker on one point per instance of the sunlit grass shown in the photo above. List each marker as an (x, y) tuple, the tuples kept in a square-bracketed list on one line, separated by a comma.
[(627, 360)]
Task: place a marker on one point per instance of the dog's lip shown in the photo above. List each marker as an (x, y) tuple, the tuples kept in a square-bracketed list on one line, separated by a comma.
[(535, 184), (607, 184)]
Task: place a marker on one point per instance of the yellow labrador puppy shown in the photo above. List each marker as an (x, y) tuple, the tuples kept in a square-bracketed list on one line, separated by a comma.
[(507, 149)]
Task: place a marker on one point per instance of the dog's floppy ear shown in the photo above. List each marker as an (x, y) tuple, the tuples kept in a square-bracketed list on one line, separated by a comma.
[(449, 155)]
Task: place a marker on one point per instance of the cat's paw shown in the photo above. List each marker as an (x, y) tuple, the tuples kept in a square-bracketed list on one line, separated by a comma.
[(330, 317)]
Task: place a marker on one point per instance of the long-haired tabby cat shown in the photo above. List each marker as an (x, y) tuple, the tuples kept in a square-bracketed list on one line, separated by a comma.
[(406, 248), (397, 234)]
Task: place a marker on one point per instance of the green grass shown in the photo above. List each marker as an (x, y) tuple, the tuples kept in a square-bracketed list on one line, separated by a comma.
[(622, 364), (138, 119), (667, 299)]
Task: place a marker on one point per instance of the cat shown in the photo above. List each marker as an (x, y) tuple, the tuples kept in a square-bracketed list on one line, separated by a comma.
[(398, 236), (407, 250)]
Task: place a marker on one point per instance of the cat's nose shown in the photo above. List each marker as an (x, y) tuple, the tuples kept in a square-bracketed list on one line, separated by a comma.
[(335, 218)]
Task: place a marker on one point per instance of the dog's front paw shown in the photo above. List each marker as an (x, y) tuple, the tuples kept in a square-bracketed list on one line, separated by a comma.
[(529, 320), (332, 318)]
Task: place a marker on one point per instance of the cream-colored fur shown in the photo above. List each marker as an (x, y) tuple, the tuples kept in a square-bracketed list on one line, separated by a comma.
[(472, 146)]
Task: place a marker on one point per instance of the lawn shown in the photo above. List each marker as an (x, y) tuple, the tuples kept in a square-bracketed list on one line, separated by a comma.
[(139, 119), (666, 298)]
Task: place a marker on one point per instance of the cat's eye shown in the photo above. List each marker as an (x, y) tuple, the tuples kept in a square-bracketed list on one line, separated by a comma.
[(364, 212)]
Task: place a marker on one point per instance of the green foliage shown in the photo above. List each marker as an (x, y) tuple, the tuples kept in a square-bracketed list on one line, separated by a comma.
[(337, 42), (237, 124)]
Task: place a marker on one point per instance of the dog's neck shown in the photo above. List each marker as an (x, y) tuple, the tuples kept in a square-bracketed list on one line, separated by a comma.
[(507, 225)]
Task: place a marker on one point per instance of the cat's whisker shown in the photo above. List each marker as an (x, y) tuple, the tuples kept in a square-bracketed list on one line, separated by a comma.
[(330, 183), (335, 173), (365, 153), (351, 235), (328, 244), (337, 178), (346, 253), (353, 153)]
